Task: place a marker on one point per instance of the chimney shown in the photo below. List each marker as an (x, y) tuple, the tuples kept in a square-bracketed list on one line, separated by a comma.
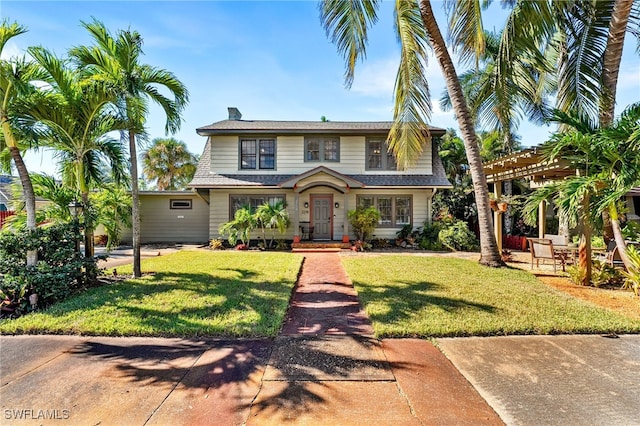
[(234, 113)]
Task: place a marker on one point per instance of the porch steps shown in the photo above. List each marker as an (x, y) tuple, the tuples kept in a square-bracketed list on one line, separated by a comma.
[(310, 246)]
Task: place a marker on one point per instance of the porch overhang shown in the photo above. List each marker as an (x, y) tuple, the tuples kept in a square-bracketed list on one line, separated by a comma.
[(321, 176)]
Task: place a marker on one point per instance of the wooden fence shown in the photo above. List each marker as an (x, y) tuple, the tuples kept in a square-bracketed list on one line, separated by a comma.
[(3, 217)]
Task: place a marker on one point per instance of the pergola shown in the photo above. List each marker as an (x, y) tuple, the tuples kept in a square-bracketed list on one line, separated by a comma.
[(529, 165)]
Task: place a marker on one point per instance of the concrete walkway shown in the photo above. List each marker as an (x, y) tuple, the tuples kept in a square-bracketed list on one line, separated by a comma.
[(324, 368)]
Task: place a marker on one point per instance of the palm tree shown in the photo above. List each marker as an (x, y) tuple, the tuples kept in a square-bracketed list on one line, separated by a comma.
[(47, 188), (608, 159), (244, 221), (15, 78), (169, 163), (498, 102), (346, 23), (272, 216), (116, 60), (113, 204), (583, 42), (76, 123)]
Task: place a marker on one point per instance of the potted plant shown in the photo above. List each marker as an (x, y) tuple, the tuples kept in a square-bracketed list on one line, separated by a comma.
[(493, 202)]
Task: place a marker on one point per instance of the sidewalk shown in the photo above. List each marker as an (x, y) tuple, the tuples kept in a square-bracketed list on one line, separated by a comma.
[(324, 368)]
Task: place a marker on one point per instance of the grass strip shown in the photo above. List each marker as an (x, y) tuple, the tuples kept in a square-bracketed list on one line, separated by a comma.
[(438, 297), (186, 294)]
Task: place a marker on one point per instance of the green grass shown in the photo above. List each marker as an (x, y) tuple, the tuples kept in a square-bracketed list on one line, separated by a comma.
[(191, 293), (437, 297)]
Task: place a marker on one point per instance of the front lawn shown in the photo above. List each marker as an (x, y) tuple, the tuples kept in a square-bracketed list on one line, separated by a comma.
[(436, 297), (188, 294)]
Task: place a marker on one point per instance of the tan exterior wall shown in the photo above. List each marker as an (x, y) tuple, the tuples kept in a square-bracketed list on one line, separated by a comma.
[(161, 224), (290, 157), (219, 211)]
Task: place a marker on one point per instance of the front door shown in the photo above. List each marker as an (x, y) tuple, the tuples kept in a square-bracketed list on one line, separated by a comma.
[(321, 217)]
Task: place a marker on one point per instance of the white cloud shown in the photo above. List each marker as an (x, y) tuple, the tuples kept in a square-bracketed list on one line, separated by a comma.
[(376, 78), (11, 50)]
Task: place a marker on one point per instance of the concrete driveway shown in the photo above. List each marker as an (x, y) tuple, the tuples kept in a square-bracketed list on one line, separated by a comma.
[(553, 380)]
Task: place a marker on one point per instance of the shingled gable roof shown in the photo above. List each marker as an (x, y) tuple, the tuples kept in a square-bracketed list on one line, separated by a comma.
[(245, 127)]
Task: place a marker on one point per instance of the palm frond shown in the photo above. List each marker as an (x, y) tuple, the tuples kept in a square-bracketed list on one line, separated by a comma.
[(346, 23), (466, 30), (412, 108)]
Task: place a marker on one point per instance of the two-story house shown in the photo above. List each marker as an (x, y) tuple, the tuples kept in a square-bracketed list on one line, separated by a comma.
[(321, 169)]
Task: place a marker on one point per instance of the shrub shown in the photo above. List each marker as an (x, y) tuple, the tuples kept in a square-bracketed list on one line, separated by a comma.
[(458, 237), (632, 276), (380, 243), (60, 270), (364, 221), (428, 238), (631, 231), (602, 274), (216, 244)]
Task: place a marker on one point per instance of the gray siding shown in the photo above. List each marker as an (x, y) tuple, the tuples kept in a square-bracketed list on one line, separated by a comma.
[(290, 157), (160, 224)]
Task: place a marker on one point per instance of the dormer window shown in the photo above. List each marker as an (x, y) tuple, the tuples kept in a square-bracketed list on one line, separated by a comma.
[(321, 149), (378, 155), (257, 154)]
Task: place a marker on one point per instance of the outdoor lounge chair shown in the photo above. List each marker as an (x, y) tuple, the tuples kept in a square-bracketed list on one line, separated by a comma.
[(612, 256), (542, 248)]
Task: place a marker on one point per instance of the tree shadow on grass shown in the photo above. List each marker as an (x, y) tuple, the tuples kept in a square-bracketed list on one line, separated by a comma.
[(403, 300), (190, 304)]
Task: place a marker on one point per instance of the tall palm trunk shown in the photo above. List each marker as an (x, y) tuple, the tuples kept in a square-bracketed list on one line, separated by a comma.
[(25, 180), (612, 58), (489, 253), (135, 208), (611, 70), (584, 247), (88, 225), (617, 234)]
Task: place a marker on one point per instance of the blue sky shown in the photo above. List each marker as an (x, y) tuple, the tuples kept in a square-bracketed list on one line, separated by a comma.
[(270, 59)]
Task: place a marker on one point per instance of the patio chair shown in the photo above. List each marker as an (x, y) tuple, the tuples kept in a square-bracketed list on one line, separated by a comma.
[(306, 231), (542, 248), (613, 257)]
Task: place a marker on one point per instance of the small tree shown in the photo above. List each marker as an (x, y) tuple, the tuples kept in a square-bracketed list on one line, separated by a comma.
[(363, 221), (272, 216), (244, 221), (113, 205)]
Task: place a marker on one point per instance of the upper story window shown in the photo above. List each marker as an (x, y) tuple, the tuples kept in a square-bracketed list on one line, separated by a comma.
[(378, 156), (321, 149), (258, 154)]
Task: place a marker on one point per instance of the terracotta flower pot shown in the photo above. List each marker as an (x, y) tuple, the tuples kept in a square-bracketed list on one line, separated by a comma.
[(503, 207), (494, 205)]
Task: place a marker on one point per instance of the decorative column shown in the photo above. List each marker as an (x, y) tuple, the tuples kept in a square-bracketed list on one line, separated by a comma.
[(542, 219), (296, 218), (345, 209), (497, 216)]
